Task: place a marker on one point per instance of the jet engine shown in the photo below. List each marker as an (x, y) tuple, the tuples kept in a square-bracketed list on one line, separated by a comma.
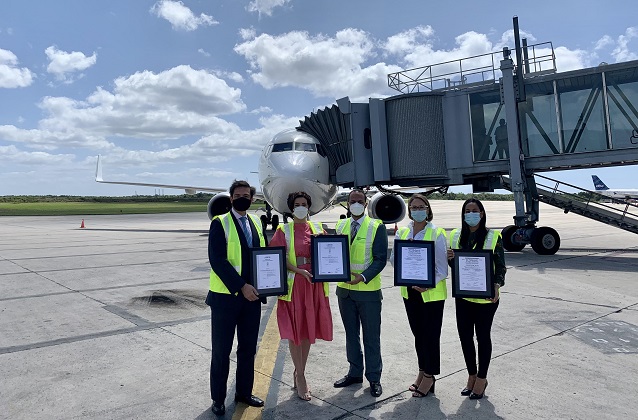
[(390, 208), (219, 204)]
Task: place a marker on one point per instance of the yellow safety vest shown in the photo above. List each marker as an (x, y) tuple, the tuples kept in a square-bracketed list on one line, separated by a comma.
[(289, 233), (440, 291), (360, 251), (233, 248), (490, 243)]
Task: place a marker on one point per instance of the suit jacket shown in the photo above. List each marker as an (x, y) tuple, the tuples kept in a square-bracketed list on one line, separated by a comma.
[(217, 255)]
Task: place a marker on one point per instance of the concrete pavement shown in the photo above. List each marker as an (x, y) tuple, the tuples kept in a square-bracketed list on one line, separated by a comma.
[(109, 322)]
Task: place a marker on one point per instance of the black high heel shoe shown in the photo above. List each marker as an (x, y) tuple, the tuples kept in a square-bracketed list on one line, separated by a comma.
[(474, 396), (415, 385), (467, 391), (422, 394)]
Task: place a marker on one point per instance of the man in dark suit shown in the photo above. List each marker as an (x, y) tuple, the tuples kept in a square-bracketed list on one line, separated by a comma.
[(360, 298), (234, 302)]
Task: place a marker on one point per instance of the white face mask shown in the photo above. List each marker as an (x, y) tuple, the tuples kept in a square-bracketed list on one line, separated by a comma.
[(357, 209), (472, 219), (300, 212)]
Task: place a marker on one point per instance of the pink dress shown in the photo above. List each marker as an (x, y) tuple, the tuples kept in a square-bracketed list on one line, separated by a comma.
[(307, 316)]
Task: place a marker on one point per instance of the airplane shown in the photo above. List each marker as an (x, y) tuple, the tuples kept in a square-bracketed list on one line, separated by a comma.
[(603, 189), (292, 161)]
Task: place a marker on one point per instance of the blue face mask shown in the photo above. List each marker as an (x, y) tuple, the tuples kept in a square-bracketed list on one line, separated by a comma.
[(419, 215), (472, 219)]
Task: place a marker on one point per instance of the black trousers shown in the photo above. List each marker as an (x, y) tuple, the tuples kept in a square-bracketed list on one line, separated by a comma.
[(472, 316), (230, 312), (425, 320), (357, 316)]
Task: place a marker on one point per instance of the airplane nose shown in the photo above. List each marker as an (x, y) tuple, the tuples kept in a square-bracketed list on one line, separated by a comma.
[(295, 163)]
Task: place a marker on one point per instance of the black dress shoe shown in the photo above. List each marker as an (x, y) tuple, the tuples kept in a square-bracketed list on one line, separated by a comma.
[(375, 389), (250, 400), (219, 409), (347, 380)]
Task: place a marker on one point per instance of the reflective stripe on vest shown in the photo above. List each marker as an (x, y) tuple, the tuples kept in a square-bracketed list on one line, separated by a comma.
[(360, 251), (233, 248), (289, 233), (490, 243), (440, 291)]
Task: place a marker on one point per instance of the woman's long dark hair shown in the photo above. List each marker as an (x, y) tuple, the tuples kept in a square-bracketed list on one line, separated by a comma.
[(480, 233)]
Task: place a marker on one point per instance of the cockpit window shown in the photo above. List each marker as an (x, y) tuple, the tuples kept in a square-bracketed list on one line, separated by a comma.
[(305, 147), (281, 147)]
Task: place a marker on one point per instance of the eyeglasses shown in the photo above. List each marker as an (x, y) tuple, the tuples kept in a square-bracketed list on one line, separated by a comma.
[(418, 208)]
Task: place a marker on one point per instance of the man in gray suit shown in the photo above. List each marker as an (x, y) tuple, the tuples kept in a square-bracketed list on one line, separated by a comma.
[(360, 298)]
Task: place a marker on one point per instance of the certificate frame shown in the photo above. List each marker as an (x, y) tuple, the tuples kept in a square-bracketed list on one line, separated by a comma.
[(319, 241), (486, 259), (275, 252), (400, 247)]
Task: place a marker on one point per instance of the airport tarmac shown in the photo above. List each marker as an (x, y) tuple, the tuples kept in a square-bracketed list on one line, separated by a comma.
[(109, 322)]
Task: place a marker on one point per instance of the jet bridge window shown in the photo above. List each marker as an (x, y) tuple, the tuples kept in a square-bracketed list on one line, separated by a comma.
[(622, 94), (305, 147), (282, 147)]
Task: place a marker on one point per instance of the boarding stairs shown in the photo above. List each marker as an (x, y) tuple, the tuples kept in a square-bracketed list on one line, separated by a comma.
[(622, 214)]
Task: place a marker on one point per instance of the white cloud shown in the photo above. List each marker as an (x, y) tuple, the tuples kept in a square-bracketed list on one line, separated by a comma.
[(603, 42), (261, 110), (406, 41), (62, 63), (567, 59), (622, 52), (180, 16), (13, 155), (203, 52), (168, 105), (326, 66), (45, 139), (265, 6), (12, 76), (230, 75), (247, 33), (224, 142)]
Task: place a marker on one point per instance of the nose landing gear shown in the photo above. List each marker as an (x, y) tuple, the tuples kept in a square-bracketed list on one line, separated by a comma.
[(269, 219)]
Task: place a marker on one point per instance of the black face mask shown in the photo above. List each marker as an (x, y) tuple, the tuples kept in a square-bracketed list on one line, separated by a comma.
[(241, 204)]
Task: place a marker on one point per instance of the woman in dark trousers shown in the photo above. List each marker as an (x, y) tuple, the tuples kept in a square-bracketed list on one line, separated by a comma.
[(477, 314), (424, 306)]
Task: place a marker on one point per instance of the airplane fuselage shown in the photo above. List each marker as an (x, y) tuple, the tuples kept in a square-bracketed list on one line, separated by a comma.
[(620, 194), (292, 161)]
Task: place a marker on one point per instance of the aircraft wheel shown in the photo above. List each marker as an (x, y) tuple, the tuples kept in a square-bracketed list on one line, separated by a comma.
[(275, 222), (545, 241), (508, 233), (264, 221), (342, 216)]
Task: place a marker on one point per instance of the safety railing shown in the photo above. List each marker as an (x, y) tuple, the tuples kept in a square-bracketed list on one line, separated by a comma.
[(471, 71)]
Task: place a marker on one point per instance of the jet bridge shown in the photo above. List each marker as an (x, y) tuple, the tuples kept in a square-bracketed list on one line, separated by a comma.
[(470, 122)]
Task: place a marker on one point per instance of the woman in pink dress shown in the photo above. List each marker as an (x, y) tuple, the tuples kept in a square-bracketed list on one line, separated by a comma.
[(304, 314)]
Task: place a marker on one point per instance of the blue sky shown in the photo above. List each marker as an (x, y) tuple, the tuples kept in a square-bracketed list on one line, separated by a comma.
[(187, 92)]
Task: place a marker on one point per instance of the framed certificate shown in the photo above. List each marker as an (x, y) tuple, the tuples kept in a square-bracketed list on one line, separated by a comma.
[(269, 273), (473, 275), (414, 263), (330, 258)]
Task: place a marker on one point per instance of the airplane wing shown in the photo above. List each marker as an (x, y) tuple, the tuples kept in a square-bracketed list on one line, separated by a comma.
[(189, 189)]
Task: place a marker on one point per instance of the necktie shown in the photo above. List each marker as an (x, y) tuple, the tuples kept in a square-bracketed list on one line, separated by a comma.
[(353, 230), (246, 228)]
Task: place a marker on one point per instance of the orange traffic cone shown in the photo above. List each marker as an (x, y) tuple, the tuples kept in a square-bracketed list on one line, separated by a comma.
[(82, 225)]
